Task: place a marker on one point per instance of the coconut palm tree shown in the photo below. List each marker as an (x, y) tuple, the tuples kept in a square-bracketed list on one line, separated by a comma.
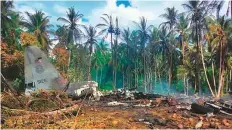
[(171, 17), (126, 37), (74, 33), (219, 31), (100, 58), (10, 23), (91, 36), (115, 47), (38, 24), (61, 34), (143, 31), (72, 19), (182, 27), (108, 28), (196, 12), (123, 62), (6, 14), (134, 48)]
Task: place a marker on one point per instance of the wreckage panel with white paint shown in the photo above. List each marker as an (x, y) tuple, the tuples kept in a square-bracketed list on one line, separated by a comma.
[(42, 75)]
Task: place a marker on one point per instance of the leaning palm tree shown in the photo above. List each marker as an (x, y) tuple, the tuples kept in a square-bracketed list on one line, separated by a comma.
[(38, 24), (219, 32), (196, 11), (143, 30), (171, 17), (91, 36)]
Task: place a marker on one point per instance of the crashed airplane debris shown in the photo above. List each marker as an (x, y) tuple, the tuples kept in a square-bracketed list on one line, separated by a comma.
[(41, 74)]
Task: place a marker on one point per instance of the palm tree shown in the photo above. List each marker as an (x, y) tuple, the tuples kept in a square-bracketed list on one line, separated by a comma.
[(6, 14), (143, 31), (125, 54), (122, 62), (91, 36), (74, 33), (117, 33), (10, 23), (171, 17), (196, 10), (182, 27), (100, 58), (62, 34), (134, 47), (72, 19), (38, 24), (220, 33), (108, 27)]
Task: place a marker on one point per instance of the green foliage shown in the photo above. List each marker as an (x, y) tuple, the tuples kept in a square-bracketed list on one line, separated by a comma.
[(74, 75), (16, 83), (145, 54)]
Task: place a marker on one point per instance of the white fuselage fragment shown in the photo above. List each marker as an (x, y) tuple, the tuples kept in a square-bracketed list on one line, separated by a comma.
[(85, 88)]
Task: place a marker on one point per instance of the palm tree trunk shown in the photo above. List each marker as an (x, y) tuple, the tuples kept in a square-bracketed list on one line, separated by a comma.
[(101, 76), (227, 80), (160, 79), (136, 73), (144, 71), (185, 90), (187, 86), (205, 71), (214, 81), (90, 58), (151, 80), (115, 62), (221, 72), (96, 74), (123, 80), (230, 81), (69, 59), (170, 72), (198, 85), (183, 46), (111, 38)]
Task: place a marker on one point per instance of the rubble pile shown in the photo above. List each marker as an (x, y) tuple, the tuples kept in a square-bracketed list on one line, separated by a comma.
[(128, 109)]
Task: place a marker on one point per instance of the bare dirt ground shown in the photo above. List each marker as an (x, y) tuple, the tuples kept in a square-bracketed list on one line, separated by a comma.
[(88, 114)]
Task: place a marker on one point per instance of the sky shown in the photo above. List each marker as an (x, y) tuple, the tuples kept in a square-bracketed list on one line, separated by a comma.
[(127, 11)]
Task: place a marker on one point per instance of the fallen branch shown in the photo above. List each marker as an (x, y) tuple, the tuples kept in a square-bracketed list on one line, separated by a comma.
[(221, 111), (213, 105)]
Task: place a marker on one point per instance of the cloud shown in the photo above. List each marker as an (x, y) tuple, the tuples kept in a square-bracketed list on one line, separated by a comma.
[(60, 9), (151, 10), (126, 15), (30, 8)]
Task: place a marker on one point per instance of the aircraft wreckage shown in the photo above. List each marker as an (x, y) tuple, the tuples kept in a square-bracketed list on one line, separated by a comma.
[(41, 74)]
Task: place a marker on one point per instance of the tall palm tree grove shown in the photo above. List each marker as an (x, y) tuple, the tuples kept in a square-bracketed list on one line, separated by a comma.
[(188, 52)]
